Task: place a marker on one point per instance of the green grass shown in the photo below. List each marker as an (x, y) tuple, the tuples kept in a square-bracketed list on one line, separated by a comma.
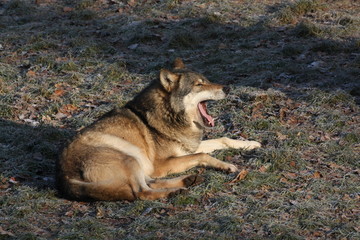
[(293, 68)]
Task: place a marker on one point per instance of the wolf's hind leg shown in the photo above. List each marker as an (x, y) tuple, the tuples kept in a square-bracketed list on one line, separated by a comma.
[(144, 188), (209, 146)]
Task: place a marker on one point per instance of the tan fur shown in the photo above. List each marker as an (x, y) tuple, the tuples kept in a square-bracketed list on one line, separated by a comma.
[(158, 133)]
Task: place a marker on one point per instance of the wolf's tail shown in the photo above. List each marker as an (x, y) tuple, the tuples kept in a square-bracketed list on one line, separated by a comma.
[(89, 191)]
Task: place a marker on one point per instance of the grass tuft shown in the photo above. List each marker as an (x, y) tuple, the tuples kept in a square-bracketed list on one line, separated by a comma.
[(307, 29), (291, 13), (184, 40)]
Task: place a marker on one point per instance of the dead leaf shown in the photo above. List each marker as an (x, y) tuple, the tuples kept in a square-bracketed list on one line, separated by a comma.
[(284, 180), (60, 115), (100, 213), (46, 118), (346, 197), (31, 73), (260, 195), (318, 234), (59, 92), (13, 180), (293, 120), (4, 184), (262, 169), (281, 136), (290, 175), (325, 137), (256, 111), (241, 176), (282, 114), (69, 213), (336, 166), (317, 175), (68, 109)]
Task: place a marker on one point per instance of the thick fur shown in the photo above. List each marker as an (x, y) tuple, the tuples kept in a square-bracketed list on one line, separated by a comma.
[(123, 155)]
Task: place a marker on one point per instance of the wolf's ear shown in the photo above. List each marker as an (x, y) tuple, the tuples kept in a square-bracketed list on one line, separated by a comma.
[(168, 79), (179, 64)]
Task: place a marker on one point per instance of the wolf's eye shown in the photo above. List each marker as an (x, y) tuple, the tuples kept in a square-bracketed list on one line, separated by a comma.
[(200, 82)]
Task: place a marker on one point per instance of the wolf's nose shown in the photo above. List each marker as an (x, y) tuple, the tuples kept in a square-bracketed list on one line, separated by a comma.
[(226, 89)]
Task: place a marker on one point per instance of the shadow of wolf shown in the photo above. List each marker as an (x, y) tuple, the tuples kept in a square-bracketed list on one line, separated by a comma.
[(123, 155)]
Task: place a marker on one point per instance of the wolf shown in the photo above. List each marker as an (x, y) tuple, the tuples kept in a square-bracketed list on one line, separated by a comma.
[(126, 153)]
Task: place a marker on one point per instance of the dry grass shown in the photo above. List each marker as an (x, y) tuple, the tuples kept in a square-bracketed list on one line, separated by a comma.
[(293, 67)]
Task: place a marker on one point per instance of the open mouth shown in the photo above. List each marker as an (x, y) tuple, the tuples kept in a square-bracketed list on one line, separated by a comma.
[(208, 120)]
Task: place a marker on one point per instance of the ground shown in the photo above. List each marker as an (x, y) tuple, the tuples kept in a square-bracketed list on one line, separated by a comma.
[(294, 72)]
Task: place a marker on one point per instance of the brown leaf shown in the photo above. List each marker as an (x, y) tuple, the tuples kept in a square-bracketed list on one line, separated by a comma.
[(262, 169), (308, 196), (13, 180), (284, 180), (293, 120), (290, 175), (59, 92), (282, 114), (336, 166), (31, 73), (281, 136), (66, 111), (69, 213), (256, 111), (241, 176), (260, 195), (318, 234), (317, 174)]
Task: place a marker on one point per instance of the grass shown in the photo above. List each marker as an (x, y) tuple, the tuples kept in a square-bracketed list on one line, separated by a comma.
[(293, 68), (290, 13)]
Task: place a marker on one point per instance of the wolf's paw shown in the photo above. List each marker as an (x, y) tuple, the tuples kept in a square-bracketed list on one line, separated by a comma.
[(193, 180), (252, 145), (177, 192), (230, 168)]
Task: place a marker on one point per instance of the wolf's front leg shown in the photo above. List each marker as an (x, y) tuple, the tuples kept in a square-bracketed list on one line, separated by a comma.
[(209, 146), (183, 163)]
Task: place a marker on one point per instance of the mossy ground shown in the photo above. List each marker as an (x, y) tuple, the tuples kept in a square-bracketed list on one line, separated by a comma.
[(294, 72)]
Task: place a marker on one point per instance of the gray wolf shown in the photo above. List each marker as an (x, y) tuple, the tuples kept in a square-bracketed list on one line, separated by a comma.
[(125, 154)]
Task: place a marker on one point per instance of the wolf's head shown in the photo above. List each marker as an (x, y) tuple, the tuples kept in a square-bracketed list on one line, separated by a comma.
[(189, 92)]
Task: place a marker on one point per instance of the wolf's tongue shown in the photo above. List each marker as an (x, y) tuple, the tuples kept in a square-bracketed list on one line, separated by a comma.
[(205, 115)]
